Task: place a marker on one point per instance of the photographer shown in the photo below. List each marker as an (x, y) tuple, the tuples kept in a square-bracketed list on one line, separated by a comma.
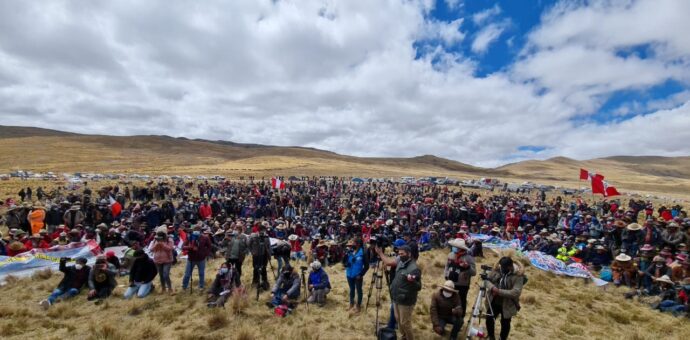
[(406, 284), (198, 248), (460, 268), (446, 308), (356, 264), (319, 285), (101, 280), (75, 278), (504, 286), (259, 246), (286, 288)]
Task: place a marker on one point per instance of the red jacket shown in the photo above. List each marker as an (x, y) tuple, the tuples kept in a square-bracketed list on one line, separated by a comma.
[(205, 211)]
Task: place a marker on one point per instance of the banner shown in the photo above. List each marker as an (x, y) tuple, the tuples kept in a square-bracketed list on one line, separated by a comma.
[(556, 266), (26, 263), (493, 242)]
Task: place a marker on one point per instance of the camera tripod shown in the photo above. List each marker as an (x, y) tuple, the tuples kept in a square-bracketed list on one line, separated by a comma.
[(306, 289), (478, 311), (379, 285), (377, 276)]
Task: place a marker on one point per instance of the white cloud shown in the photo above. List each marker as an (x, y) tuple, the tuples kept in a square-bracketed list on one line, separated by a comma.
[(486, 37), (480, 18), (338, 75)]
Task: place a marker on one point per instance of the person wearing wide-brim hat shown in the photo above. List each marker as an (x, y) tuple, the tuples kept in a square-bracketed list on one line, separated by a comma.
[(653, 271), (671, 236), (459, 269), (623, 270), (446, 308)]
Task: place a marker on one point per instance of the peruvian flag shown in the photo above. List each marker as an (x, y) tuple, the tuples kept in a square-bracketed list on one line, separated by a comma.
[(588, 176), (610, 190), (115, 207), (599, 186), (277, 183)]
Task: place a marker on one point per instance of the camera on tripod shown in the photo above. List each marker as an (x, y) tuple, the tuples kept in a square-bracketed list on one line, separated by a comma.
[(485, 270)]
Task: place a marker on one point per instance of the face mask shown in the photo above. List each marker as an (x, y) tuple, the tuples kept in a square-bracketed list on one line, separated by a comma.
[(223, 271), (404, 258), (196, 233), (454, 250), (659, 265), (505, 270), (446, 294), (78, 266)]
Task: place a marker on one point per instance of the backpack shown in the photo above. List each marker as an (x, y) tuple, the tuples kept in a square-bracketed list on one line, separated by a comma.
[(386, 333)]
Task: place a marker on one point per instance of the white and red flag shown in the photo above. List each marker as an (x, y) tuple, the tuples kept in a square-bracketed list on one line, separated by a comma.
[(277, 183)]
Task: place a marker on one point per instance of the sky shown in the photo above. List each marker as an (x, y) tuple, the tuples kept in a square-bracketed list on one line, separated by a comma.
[(477, 81)]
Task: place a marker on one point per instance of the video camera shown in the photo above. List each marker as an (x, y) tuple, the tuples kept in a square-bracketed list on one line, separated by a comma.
[(485, 270), (380, 241)]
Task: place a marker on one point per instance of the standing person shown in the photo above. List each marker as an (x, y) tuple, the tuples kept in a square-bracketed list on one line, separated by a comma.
[(356, 264), (198, 248), (162, 249), (460, 268), (404, 288), (76, 277), (235, 250), (446, 308), (36, 217), (141, 275), (259, 246), (504, 286)]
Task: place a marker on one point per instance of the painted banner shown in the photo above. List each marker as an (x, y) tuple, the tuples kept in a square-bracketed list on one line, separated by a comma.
[(26, 263), (556, 266), (493, 242)]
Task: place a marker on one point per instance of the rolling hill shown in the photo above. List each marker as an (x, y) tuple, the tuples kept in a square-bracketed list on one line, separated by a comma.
[(49, 150)]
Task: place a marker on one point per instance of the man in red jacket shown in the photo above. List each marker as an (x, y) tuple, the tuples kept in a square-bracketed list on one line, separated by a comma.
[(198, 247), (205, 211)]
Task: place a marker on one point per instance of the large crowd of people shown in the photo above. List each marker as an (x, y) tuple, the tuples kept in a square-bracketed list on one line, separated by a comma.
[(326, 221)]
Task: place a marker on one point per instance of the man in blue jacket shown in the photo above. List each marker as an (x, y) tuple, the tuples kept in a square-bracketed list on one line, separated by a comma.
[(319, 285)]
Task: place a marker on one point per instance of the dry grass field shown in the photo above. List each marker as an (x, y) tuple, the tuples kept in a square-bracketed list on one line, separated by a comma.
[(553, 308)]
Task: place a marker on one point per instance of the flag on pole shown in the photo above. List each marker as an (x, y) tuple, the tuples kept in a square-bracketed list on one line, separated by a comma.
[(277, 183), (598, 185), (610, 190), (588, 175)]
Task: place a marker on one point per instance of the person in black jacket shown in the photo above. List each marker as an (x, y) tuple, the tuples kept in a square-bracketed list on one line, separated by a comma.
[(75, 278), (102, 280), (141, 275)]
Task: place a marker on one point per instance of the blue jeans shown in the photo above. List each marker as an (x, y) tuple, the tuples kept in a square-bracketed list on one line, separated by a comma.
[(671, 306), (355, 285), (282, 261), (140, 288), (391, 319), (65, 294), (164, 275), (278, 297), (201, 266)]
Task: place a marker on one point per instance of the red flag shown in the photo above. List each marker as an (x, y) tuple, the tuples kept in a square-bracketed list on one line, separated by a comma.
[(598, 185), (584, 174), (115, 207), (610, 190)]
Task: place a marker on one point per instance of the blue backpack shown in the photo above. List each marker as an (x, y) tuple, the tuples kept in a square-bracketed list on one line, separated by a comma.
[(606, 274)]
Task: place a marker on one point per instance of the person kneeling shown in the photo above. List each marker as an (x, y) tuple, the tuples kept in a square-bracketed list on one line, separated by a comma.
[(319, 284), (446, 308), (141, 275), (222, 286), (75, 278), (286, 288), (101, 280)]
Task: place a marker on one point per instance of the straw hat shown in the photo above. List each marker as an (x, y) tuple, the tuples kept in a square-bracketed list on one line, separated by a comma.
[(496, 229), (647, 247), (619, 224), (449, 286), (458, 243), (281, 227), (664, 279), (623, 258), (599, 247), (292, 237), (634, 226), (658, 259)]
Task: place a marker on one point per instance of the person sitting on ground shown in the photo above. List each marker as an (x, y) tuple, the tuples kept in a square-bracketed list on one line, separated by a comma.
[(141, 275), (446, 308), (653, 272), (286, 288), (75, 278), (623, 270), (599, 258), (671, 298), (222, 286), (101, 280), (319, 285)]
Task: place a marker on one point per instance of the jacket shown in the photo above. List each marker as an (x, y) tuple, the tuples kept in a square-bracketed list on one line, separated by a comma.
[(73, 278), (259, 246), (319, 279), (99, 279), (404, 292), (198, 249), (442, 307), (162, 251), (236, 248), (289, 286), (357, 264), (508, 299), (459, 276), (143, 270)]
